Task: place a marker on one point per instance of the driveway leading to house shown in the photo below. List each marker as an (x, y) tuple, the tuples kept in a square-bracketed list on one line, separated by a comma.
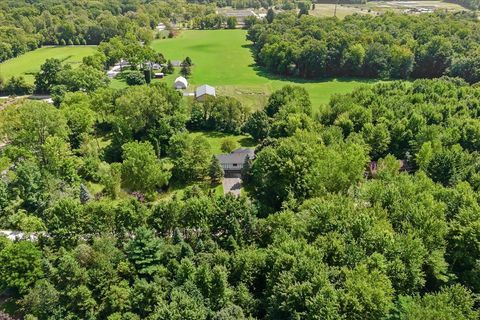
[(232, 183)]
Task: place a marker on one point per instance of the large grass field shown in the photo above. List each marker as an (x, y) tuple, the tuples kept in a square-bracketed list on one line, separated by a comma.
[(223, 59), (29, 63), (379, 7)]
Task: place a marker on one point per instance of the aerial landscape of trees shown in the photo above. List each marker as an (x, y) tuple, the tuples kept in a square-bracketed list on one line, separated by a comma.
[(311, 225), (387, 46), (364, 207)]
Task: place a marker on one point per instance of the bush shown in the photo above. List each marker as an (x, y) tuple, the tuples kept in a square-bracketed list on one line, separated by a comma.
[(228, 145), (135, 78)]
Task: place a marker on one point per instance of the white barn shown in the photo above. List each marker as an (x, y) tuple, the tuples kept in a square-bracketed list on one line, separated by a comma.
[(203, 92), (181, 83)]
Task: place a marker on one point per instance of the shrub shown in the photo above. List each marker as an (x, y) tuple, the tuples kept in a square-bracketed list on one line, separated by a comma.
[(135, 78), (17, 86)]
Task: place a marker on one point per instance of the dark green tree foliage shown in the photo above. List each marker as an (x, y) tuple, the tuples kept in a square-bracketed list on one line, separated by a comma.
[(318, 169), (144, 252), (314, 235), (191, 157), (48, 75), (425, 46), (152, 113), (16, 86), (225, 114), (186, 71), (141, 170), (293, 98), (85, 195), (257, 125), (215, 171), (135, 78), (20, 266), (168, 69)]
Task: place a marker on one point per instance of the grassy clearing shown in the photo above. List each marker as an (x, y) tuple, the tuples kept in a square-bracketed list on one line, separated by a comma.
[(377, 7), (29, 63), (223, 59), (215, 140)]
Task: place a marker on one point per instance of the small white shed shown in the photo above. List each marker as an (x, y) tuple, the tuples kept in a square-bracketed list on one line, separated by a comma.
[(181, 83)]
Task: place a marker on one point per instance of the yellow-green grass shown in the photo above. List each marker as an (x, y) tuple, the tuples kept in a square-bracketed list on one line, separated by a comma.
[(29, 63), (222, 58), (215, 140)]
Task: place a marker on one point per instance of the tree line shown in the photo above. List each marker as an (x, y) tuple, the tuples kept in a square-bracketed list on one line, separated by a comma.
[(388, 46)]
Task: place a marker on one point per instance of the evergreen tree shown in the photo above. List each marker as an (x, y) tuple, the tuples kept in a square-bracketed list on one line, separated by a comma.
[(85, 196), (187, 62), (270, 15), (168, 69), (144, 251), (215, 171), (246, 170), (186, 71)]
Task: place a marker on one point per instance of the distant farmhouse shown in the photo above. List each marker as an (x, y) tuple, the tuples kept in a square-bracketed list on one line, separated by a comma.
[(181, 83), (233, 162), (204, 92)]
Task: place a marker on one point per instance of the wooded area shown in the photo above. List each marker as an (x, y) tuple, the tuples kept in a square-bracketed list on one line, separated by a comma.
[(388, 46), (367, 207)]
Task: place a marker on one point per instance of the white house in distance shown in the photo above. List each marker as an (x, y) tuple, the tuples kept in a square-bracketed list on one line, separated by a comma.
[(203, 92), (181, 83), (233, 162)]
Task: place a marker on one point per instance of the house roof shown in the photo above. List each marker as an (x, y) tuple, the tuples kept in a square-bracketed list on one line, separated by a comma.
[(238, 156), (205, 89), (182, 80)]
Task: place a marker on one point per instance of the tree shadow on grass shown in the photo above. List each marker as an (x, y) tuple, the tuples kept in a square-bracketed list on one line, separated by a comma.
[(262, 72), (247, 142)]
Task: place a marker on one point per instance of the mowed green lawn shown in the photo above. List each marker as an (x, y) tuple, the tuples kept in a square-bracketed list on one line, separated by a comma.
[(29, 63), (223, 59), (215, 139)]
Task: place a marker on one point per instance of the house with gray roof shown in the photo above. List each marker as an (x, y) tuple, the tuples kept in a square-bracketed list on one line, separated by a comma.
[(205, 92), (233, 162)]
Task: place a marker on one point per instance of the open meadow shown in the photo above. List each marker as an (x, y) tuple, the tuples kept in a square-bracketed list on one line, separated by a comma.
[(379, 7), (223, 59), (29, 63)]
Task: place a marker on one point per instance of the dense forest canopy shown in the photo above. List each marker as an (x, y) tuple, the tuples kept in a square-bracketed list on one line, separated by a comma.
[(367, 207), (314, 235), (26, 25), (386, 46)]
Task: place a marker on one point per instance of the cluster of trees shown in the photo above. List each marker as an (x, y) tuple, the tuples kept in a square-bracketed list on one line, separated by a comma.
[(471, 4), (57, 79), (239, 4), (26, 25), (15, 86), (432, 123), (214, 21), (386, 46), (312, 237), (224, 114), (128, 48)]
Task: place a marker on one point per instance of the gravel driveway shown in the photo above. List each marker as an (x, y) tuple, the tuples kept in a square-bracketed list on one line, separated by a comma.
[(232, 184)]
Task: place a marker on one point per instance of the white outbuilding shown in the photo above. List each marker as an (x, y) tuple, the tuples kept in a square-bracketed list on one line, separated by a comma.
[(205, 92), (181, 83)]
